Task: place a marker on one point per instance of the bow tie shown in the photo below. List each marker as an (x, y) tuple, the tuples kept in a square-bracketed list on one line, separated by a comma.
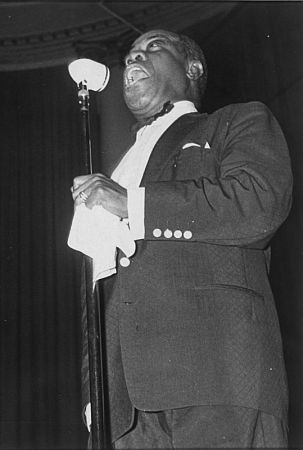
[(167, 107)]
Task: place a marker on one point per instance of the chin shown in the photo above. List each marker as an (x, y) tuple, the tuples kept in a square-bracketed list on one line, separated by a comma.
[(138, 103)]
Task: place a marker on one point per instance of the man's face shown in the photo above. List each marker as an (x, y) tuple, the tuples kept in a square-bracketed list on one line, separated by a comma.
[(155, 72)]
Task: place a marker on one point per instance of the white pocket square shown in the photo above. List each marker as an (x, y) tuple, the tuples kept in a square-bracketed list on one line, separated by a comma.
[(190, 144)]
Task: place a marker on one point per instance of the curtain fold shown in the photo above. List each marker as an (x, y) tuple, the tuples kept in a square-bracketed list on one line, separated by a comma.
[(40, 328)]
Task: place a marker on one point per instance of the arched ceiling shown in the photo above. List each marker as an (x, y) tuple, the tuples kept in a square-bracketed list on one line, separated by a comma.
[(42, 34)]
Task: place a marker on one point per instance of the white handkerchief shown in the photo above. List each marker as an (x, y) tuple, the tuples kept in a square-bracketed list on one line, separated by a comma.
[(97, 233)]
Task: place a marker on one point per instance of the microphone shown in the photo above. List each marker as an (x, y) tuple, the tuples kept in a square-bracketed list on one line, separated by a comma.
[(90, 73)]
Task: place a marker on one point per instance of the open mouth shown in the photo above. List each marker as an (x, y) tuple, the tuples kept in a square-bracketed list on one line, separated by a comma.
[(134, 74)]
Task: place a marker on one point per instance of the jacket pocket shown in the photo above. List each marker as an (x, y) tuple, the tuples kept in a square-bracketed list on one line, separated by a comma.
[(193, 162), (231, 301)]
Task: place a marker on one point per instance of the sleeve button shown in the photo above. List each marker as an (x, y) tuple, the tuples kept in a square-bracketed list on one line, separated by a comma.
[(168, 233), (157, 232), (187, 234), (178, 234)]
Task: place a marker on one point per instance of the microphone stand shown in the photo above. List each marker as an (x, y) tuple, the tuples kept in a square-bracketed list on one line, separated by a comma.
[(94, 309)]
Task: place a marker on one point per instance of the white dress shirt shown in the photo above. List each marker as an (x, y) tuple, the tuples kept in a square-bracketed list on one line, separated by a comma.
[(131, 168)]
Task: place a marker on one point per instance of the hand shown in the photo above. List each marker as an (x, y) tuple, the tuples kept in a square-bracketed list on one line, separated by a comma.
[(101, 190)]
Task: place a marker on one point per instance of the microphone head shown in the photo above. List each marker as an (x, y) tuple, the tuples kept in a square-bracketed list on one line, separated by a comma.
[(95, 75)]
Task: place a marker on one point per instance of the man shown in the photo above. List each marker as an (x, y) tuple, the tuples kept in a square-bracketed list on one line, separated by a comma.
[(194, 354)]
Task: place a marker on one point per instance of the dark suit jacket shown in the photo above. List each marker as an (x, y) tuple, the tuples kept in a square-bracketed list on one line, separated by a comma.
[(191, 320)]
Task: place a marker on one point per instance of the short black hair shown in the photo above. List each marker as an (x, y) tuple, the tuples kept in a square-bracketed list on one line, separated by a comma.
[(192, 51)]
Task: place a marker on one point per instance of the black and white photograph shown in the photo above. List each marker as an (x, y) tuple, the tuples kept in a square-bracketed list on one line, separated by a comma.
[(151, 179)]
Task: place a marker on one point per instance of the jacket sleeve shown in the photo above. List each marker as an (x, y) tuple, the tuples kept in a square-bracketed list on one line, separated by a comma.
[(246, 200)]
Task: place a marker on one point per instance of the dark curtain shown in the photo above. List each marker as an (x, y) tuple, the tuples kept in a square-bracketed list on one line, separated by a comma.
[(40, 339), (255, 55)]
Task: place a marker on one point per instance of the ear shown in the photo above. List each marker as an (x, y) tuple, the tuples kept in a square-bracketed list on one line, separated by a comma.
[(194, 70)]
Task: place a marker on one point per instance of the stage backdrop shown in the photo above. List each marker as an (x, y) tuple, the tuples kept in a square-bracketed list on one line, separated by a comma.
[(255, 56)]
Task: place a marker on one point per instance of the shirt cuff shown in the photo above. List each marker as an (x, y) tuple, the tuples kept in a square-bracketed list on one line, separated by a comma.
[(135, 206)]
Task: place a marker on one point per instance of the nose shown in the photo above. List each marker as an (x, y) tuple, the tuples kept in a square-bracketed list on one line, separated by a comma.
[(134, 56)]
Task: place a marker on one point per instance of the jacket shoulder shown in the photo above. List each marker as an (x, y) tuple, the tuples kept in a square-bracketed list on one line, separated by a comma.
[(234, 109)]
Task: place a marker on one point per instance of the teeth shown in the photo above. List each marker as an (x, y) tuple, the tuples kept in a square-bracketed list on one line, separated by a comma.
[(135, 74)]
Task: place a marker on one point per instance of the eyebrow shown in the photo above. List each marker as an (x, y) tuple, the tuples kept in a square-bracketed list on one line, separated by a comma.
[(155, 36), (161, 36)]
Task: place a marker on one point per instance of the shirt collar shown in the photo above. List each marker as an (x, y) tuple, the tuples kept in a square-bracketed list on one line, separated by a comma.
[(179, 109)]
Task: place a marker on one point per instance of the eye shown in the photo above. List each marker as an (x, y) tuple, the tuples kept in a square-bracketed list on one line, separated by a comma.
[(155, 44)]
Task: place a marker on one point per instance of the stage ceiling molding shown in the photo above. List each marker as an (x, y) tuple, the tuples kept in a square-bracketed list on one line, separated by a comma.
[(44, 34)]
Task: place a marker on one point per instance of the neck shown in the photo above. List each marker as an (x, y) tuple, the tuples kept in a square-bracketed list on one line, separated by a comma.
[(165, 108), (143, 116)]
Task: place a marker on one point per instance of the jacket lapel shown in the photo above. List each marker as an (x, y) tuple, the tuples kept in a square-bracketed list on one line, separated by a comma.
[(168, 145)]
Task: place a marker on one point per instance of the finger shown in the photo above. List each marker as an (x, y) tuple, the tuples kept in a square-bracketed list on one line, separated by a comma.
[(97, 181), (80, 180), (98, 192), (87, 186), (95, 197), (77, 181), (80, 199)]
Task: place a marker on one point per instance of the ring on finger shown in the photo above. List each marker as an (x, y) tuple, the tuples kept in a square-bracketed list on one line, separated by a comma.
[(83, 196)]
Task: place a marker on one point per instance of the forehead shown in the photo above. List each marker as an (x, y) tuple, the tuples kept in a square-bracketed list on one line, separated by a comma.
[(153, 34)]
